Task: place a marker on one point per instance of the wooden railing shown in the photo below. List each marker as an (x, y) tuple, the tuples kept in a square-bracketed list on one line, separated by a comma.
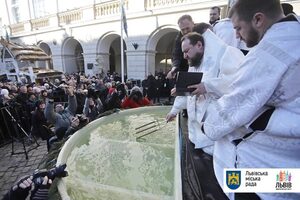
[(39, 23), (70, 16), (109, 8)]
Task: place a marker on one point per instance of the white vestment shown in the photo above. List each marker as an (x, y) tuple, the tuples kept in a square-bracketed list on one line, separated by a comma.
[(225, 31), (269, 76), (219, 63)]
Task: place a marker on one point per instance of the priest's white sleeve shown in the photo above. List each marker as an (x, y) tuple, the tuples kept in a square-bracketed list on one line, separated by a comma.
[(229, 65), (179, 104), (256, 81)]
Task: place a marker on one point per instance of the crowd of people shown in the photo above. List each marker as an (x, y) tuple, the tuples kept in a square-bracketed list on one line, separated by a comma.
[(62, 103), (244, 113)]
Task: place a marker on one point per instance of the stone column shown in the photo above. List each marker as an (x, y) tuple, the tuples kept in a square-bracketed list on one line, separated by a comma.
[(102, 62), (150, 62), (140, 63), (135, 64), (90, 64)]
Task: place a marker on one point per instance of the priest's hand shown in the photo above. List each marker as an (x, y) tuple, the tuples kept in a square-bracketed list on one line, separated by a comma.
[(172, 73), (173, 92), (170, 117), (199, 89)]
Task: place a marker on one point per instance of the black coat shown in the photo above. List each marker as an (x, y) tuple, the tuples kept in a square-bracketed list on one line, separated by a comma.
[(37, 121), (178, 61)]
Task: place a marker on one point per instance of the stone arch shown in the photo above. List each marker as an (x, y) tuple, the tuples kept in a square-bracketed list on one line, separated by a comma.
[(46, 48), (72, 56), (159, 48), (109, 52)]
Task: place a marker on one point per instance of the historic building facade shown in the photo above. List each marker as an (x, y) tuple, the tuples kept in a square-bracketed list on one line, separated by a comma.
[(85, 35)]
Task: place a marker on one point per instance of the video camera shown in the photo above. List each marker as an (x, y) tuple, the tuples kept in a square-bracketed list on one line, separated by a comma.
[(59, 171), (82, 119), (92, 93)]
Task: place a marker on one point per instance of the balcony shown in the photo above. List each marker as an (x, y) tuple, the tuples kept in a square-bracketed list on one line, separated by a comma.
[(39, 23), (150, 4), (108, 8), (17, 28), (70, 17)]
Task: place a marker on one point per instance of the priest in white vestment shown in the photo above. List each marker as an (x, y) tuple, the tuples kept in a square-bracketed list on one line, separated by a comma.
[(268, 77), (218, 66)]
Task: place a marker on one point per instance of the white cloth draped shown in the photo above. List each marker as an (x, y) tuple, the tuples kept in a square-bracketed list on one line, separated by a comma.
[(269, 76)]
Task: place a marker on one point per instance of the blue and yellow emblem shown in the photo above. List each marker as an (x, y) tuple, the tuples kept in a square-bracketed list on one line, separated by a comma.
[(233, 179)]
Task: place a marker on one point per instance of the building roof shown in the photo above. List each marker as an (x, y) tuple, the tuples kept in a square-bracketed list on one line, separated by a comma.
[(22, 52)]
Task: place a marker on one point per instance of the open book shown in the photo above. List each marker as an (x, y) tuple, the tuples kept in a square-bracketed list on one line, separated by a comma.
[(184, 79)]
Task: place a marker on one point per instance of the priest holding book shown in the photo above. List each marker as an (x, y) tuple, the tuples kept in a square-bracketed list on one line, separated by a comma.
[(218, 62)]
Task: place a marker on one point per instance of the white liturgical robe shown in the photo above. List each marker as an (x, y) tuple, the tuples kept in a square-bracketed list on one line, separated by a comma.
[(269, 76), (219, 65)]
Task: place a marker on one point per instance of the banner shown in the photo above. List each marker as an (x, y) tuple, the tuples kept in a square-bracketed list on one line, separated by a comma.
[(261, 180)]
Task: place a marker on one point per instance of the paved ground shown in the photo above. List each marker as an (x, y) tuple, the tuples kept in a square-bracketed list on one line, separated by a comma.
[(13, 167)]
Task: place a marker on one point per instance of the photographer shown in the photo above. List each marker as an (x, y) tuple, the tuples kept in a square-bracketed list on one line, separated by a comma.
[(112, 100), (61, 117), (122, 92), (22, 108), (92, 106), (58, 92), (38, 119), (77, 123), (39, 184), (21, 190)]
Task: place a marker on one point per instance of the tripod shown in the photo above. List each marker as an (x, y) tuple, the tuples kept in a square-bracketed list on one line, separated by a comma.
[(18, 127)]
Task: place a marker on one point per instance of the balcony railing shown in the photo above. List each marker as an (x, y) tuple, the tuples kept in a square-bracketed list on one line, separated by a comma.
[(101, 11), (17, 28), (39, 23), (163, 3), (109, 8), (70, 16)]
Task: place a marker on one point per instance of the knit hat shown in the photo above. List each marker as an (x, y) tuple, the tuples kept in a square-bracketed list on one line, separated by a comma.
[(5, 93), (136, 88)]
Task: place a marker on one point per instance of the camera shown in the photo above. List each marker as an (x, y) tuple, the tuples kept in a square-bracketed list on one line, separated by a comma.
[(82, 119), (92, 93), (59, 171)]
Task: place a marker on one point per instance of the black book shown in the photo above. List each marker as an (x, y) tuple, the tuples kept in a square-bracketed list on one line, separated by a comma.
[(184, 79)]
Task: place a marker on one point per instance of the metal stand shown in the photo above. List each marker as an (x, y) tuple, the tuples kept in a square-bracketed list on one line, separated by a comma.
[(18, 127)]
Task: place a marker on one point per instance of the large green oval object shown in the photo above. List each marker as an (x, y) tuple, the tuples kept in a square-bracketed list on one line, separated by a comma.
[(106, 161)]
